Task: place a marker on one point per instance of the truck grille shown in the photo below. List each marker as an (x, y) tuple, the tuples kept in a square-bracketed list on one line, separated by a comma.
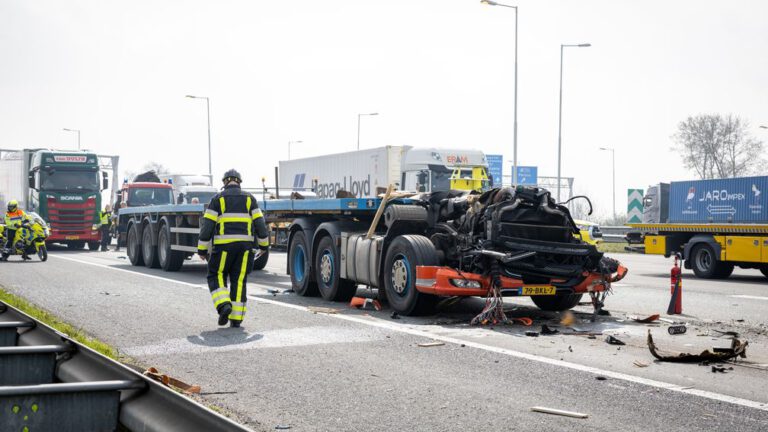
[(71, 219)]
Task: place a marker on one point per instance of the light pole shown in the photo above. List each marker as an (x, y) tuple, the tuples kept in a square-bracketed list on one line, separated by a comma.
[(560, 117), (613, 162), (358, 126), (78, 135), (208, 111), (289, 147), (514, 145)]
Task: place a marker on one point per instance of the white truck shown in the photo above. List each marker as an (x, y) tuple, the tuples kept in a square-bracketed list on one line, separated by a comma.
[(190, 187), (366, 173)]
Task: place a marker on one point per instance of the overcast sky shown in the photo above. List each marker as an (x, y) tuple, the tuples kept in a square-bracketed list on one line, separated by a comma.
[(439, 72)]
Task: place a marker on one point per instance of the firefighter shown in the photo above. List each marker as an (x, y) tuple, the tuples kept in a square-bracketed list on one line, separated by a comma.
[(106, 222), (234, 222), (13, 220)]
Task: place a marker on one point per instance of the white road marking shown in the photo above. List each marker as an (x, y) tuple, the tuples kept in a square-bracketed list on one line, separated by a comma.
[(231, 340), (402, 328), (750, 297)]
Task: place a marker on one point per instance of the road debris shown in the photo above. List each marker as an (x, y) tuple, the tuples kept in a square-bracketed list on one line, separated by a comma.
[(601, 378), (568, 319), (532, 334), (739, 350), (282, 427), (395, 315), (431, 344), (554, 411), (171, 382), (612, 340), (546, 330), (721, 369), (272, 291), (727, 333), (325, 310), (646, 320), (640, 364), (523, 320), (677, 329), (365, 303)]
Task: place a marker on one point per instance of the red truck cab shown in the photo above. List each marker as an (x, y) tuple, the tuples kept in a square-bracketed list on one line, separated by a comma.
[(139, 194)]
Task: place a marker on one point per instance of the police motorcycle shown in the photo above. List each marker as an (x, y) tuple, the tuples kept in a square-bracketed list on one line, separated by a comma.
[(29, 239)]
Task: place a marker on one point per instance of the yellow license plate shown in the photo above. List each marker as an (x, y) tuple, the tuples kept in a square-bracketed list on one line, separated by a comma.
[(532, 290), (72, 238)]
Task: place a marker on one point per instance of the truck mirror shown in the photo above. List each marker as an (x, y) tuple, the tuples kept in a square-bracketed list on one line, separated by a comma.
[(104, 181), (31, 179)]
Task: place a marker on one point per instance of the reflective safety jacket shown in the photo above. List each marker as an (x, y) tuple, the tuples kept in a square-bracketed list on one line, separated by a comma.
[(13, 219), (106, 218), (233, 220)]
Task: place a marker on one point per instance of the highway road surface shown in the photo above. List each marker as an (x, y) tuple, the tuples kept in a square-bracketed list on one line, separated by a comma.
[(290, 366)]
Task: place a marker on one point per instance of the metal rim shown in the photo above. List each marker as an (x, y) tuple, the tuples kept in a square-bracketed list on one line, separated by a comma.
[(132, 237), (299, 262), (704, 259), (326, 267), (162, 241), (401, 274), (146, 246)]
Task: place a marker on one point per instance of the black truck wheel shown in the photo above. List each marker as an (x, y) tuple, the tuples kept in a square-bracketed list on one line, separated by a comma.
[(149, 252), (298, 262), (404, 254), (261, 262), (75, 245), (557, 302), (133, 247), (706, 265), (169, 259), (93, 245), (327, 273)]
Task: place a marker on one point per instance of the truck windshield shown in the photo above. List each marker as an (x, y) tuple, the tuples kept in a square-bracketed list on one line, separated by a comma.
[(65, 180), (149, 196), (202, 197)]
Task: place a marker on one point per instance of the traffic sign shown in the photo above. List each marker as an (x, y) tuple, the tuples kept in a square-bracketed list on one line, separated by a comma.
[(634, 205), (527, 175), (495, 168)]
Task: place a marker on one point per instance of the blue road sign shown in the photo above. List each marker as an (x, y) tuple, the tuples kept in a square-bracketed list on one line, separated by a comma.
[(527, 175), (495, 168)]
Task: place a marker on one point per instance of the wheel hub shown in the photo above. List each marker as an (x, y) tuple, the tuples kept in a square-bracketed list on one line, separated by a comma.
[(399, 276), (326, 268)]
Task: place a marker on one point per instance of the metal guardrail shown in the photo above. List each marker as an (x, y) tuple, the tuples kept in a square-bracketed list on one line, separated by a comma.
[(49, 382)]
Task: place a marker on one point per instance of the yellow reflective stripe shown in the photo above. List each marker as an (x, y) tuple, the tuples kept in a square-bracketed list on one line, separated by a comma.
[(201, 245), (211, 214), (245, 219), (248, 204), (219, 296), (221, 269), (216, 303), (257, 214), (228, 241), (243, 267), (223, 209), (263, 242)]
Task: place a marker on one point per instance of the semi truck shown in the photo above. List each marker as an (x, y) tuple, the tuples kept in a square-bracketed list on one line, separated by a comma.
[(63, 187), (518, 242), (715, 225), (367, 173)]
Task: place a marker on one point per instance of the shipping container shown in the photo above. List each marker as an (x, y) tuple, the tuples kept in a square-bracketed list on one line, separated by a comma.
[(734, 200), (13, 178)]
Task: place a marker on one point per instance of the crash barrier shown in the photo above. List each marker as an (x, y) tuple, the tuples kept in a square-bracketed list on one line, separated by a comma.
[(618, 234), (49, 382)]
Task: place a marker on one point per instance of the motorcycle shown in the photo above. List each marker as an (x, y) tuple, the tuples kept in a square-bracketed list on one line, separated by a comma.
[(29, 238)]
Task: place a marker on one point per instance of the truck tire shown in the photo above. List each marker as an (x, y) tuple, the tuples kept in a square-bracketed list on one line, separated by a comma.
[(327, 273), (706, 265), (133, 247), (149, 252), (298, 263), (75, 245), (556, 303), (93, 245), (404, 254), (169, 259), (261, 262)]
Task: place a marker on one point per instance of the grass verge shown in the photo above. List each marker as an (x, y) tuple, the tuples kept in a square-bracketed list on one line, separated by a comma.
[(612, 247), (52, 320)]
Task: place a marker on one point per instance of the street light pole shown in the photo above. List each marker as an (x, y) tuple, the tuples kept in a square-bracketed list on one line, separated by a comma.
[(514, 136), (560, 116), (358, 126), (208, 112), (289, 147), (78, 136), (613, 163)]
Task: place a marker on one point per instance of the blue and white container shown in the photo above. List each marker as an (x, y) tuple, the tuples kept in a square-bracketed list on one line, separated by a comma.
[(733, 200)]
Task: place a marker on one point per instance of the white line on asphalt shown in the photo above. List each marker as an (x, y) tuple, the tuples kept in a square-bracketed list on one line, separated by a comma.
[(750, 297), (374, 322)]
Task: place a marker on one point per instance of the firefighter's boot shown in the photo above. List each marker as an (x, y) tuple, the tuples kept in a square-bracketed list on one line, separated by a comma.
[(224, 312)]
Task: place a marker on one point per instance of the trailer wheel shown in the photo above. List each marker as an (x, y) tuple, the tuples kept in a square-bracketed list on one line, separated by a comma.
[(404, 254), (169, 259), (706, 265), (327, 271), (556, 303), (298, 262), (149, 252), (93, 245), (261, 262), (133, 247), (76, 245)]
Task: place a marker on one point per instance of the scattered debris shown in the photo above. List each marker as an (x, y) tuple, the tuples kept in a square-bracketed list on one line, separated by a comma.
[(668, 321), (739, 350), (523, 320), (591, 336), (289, 291), (612, 340), (282, 427), (727, 333), (365, 303), (325, 310), (600, 378), (545, 330), (677, 329), (559, 412), (272, 291), (603, 312), (646, 320), (122, 257), (570, 348), (739, 320), (395, 315), (431, 344), (170, 381), (532, 334), (721, 369), (568, 319), (640, 364)]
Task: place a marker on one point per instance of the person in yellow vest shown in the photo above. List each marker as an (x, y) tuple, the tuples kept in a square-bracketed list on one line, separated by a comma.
[(106, 222), (14, 217)]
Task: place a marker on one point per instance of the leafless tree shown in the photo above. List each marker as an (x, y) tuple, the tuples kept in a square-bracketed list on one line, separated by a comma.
[(717, 146)]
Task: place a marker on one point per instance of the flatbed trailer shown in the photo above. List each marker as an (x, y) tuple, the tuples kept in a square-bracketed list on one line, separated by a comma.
[(712, 250), (331, 250)]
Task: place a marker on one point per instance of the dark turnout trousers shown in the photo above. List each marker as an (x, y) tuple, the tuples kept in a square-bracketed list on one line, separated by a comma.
[(232, 265)]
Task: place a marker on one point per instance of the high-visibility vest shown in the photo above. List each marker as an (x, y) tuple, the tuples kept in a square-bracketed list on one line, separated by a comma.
[(105, 218)]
